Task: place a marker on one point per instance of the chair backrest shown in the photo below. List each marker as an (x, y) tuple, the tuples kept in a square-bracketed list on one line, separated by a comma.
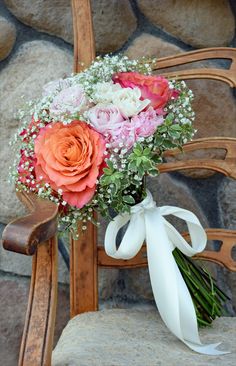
[(86, 255)]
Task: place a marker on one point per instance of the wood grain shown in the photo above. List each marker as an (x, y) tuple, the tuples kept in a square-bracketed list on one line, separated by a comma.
[(83, 272), (37, 340), (84, 45), (224, 256)]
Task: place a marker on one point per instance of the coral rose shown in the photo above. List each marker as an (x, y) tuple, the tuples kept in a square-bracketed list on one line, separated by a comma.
[(69, 158), (154, 88)]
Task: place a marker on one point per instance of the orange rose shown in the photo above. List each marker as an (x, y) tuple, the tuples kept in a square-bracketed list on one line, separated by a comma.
[(69, 158)]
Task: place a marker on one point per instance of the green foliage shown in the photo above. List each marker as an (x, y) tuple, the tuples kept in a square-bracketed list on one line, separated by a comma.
[(208, 298)]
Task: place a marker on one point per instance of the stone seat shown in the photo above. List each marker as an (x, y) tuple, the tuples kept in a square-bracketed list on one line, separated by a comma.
[(128, 337)]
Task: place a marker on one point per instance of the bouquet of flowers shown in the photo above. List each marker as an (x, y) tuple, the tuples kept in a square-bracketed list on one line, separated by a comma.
[(93, 138)]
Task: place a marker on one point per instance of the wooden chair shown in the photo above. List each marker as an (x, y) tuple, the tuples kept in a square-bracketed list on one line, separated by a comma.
[(35, 234)]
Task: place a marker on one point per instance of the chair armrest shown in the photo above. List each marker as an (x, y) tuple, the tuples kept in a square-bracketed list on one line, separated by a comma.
[(23, 235)]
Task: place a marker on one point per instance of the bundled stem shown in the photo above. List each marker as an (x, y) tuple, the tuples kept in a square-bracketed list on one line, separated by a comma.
[(208, 298)]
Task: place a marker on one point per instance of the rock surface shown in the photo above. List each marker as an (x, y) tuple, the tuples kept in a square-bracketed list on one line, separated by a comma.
[(151, 46), (34, 65), (7, 37), (215, 107), (208, 23), (227, 206), (53, 17), (114, 21), (227, 203), (136, 338)]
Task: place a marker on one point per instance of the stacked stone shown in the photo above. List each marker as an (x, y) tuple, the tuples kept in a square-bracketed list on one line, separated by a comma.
[(36, 46)]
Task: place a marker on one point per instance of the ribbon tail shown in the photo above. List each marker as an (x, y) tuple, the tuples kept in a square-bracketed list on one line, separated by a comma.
[(209, 349), (171, 294)]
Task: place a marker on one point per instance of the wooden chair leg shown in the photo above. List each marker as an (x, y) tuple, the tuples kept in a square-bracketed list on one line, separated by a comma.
[(37, 340)]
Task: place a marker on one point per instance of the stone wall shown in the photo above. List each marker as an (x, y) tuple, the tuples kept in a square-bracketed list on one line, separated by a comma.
[(36, 46)]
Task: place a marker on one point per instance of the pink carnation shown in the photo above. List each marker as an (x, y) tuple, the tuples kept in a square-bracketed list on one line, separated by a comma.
[(106, 119), (142, 125), (145, 124), (68, 102)]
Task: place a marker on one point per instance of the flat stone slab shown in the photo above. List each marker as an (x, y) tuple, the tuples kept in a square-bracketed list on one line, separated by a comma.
[(121, 337)]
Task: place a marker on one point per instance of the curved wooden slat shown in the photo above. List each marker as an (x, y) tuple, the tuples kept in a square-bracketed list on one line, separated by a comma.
[(222, 257), (226, 166), (37, 340), (84, 46), (226, 75), (25, 233), (140, 260)]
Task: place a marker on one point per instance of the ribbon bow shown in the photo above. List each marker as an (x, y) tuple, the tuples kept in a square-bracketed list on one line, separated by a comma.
[(173, 300)]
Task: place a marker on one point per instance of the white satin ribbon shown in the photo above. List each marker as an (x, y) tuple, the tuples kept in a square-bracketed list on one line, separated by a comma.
[(173, 300)]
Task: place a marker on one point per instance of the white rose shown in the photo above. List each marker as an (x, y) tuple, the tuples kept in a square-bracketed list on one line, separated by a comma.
[(128, 101), (103, 92)]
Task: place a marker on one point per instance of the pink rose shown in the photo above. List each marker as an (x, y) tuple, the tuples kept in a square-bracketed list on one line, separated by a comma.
[(68, 102), (154, 88), (105, 118)]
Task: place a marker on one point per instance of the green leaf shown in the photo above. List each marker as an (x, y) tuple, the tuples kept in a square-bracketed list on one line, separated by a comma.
[(129, 199), (158, 140), (157, 159), (169, 118), (105, 180), (176, 127), (153, 172), (162, 129), (138, 150), (139, 161), (168, 144), (110, 165), (140, 171), (174, 134), (146, 151), (107, 171), (132, 166)]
